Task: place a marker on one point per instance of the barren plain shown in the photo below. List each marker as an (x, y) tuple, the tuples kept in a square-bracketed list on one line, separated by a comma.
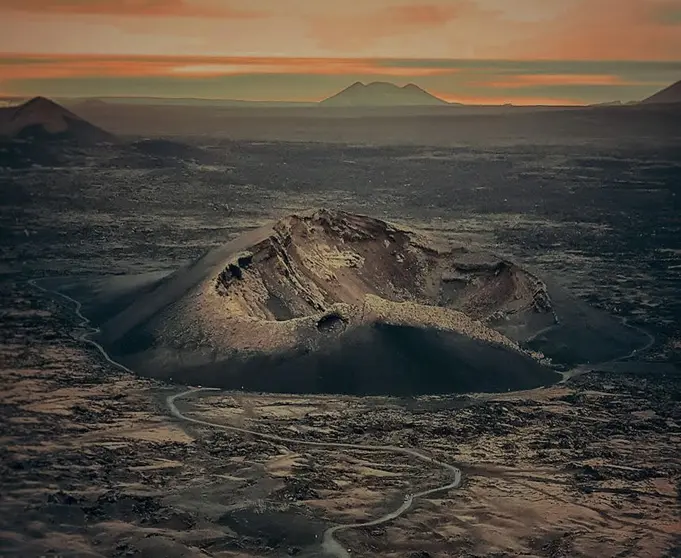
[(94, 464)]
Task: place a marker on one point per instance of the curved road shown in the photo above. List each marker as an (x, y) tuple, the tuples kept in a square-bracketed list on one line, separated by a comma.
[(632, 354), (84, 322), (585, 368), (329, 543)]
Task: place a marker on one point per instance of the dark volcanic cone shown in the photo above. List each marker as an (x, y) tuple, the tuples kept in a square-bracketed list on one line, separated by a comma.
[(328, 301), (41, 119), (669, 95)]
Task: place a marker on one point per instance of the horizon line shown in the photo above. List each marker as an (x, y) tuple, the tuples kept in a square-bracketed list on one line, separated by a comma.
[(285, 79), (311, 103)]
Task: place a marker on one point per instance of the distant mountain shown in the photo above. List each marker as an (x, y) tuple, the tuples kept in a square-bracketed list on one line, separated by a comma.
[(382, 94), (669, 95), (42, 119), (93, 103), (608, 104)]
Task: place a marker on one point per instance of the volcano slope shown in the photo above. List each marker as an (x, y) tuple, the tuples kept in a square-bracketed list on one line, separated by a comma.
[(330, 302)]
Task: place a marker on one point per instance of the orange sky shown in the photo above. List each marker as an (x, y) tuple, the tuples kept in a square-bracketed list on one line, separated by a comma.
[(173, 41)]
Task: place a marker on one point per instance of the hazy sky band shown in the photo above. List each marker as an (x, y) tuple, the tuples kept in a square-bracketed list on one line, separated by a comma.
[(311, 79), (579, 51)]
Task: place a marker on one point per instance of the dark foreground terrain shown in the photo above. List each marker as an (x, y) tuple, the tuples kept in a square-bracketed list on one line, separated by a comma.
[(93, 465)]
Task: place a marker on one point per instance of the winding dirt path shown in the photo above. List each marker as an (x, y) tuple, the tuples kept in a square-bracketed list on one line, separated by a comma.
[(85, 323), (603, 366), (330, 544)]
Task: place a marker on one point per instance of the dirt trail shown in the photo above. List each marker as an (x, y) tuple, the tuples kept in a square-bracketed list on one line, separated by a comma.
[(608, 366), (330, 544)]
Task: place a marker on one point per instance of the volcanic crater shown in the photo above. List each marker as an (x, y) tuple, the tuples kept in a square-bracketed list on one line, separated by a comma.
[(331, 302)]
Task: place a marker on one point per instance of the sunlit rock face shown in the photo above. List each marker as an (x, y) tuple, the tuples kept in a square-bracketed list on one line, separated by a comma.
[(331, 301)]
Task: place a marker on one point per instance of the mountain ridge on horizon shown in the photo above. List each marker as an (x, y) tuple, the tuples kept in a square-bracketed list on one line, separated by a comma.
[(383, 94), (374, 94)]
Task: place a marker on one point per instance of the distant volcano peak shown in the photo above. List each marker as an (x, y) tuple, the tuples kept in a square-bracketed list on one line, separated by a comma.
[(42, 118), (669, 95), (43, 108), (383, 93)]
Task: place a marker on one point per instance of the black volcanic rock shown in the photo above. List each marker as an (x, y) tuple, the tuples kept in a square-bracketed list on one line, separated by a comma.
[(669, 95), (382, 94), (43, 120)]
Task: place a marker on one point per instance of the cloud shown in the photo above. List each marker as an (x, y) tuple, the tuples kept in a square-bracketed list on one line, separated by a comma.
[(301, 78), (360, 29), (46, 67), (603, 30), (520, 81), (418, 15), (444, 29), (495, 29), (667, 12), (141, 8), (24, 67), (308, 66)]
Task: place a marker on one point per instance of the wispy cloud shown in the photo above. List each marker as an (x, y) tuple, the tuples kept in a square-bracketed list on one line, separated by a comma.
[(307, 66), (45, 66), (361, 28), (667, 12), (446, 29), (520, 81), (513, 29), (175, 8), (418, 15), (603, 30), (288, 78)]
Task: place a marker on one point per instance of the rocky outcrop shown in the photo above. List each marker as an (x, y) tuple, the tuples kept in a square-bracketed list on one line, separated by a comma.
[(314, 261)]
